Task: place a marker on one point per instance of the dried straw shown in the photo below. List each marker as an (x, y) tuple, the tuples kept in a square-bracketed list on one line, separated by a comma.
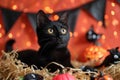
[(113, 70), (13, 69)]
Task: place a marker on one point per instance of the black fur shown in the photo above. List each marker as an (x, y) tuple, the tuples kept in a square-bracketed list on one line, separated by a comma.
[(53, 37)]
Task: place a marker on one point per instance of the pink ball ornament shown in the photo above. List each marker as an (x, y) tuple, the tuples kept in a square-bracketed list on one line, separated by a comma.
[(64, 76)]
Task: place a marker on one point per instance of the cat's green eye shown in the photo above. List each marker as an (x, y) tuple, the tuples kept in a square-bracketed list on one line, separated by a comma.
[(63, 31), (50, 31)]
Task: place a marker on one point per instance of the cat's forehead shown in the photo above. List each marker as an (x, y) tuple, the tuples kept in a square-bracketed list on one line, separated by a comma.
[(58, 24)]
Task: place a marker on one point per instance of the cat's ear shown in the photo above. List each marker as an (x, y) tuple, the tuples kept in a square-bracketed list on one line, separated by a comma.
[(42, 18), (64, 18)]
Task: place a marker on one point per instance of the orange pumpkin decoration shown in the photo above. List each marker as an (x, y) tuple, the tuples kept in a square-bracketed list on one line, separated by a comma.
[(64, 76), (104, 77), (93, 55)]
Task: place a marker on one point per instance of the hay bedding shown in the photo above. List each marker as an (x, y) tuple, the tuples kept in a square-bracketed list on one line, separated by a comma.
[(114, 71), (13, 69)]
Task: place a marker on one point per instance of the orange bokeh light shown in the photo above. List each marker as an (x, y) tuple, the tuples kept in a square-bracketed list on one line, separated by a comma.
[(28, 43), (1, 35), (14, 7), (10, 35)]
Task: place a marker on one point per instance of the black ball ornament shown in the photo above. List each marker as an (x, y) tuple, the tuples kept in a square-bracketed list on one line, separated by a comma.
[(92, 36), (32, 76)]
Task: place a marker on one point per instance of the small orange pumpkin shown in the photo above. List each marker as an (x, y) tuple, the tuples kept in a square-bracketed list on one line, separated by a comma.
[(93, 55), (104, 77), (64, 76)]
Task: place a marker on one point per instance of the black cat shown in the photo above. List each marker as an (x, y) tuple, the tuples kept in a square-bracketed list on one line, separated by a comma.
[(53, 37)]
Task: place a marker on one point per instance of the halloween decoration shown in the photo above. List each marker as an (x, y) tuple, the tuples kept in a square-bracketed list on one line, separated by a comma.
[(93, 55), (46, 5), (65, 76), (112, 58), (100, 75), (97, 9), (118, 1), (92, 36), (91, 71), (32, 76), (12, 68)]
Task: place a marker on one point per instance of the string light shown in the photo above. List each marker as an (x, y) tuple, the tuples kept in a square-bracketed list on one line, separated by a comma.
[(10, 35), (84, 20), (115, 33), (71, 34), (115, 22), (23, 25), (48, 9), (28, 43), (113, 4), (83, 29), (103, 37), (18, 34), (56, 17), (75, 34), (106, 16), (100, 23), (1, 35), (14, 7), (73, 1), (34, 6), (112, 12)]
